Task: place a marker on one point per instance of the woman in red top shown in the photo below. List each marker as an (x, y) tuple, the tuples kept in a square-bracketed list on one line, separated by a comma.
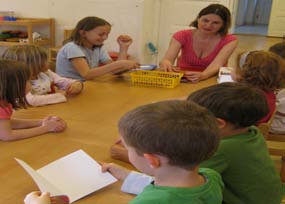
[(205, 48)]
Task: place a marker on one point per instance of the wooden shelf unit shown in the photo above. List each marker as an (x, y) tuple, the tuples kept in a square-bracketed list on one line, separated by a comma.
[(29, 23)]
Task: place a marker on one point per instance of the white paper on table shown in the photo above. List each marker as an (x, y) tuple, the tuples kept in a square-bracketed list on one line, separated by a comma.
[(75, 175), (225, 78), (224, 75)]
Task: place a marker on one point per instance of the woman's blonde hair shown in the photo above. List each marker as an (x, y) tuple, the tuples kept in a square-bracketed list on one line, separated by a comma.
[(34, 56), (261, 69)]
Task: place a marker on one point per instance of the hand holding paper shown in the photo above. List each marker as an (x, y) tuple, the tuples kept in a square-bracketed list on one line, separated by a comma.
[(75, 175)]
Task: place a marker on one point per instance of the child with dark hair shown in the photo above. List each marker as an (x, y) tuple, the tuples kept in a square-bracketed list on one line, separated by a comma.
[(83, 52), (14, 85), (242, 158), (279, 49), (167, 140)]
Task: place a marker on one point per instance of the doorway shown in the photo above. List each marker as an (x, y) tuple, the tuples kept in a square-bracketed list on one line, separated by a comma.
[(252, 17)]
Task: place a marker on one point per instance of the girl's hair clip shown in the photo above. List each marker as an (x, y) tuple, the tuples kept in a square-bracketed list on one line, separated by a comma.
[(243, 59)]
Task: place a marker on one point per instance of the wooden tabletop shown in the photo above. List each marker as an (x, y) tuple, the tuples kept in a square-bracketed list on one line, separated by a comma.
[(92, 126)]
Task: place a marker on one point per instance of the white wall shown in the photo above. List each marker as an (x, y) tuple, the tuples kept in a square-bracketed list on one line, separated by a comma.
[(126, 17)]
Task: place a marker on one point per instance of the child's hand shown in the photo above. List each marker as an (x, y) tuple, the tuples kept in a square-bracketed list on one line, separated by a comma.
[(127, 64), (119, 152), (116, 170), (124, 41), (54, 118), (61, 92), (37, 197), (74, 88), (54, 124)]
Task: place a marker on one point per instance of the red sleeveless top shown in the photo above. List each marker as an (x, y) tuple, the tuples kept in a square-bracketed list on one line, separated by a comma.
[(189, 60)]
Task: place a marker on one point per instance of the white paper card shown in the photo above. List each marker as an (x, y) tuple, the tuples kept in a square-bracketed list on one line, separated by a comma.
[(75, 175), (225, 78), (225, 74)]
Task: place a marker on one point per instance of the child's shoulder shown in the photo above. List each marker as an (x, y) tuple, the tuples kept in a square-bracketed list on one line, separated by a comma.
[(71, 45), (211, 175), (235, 143)]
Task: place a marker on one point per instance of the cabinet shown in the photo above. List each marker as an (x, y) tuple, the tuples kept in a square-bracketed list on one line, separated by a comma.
[(29, 24)]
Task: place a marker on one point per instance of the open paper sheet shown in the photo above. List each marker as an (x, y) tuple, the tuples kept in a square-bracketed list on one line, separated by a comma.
[(75, 175)]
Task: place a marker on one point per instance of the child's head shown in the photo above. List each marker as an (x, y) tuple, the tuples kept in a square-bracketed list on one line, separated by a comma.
[(279, 49), (181, 131), (14, 83), (32, 55), (90, 29), (261, 69), (235, 103)]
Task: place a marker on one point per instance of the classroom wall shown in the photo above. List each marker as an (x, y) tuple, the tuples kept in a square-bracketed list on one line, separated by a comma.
[(126, 17)]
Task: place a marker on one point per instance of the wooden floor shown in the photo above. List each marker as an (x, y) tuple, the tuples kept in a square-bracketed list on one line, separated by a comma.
[(252, 42)]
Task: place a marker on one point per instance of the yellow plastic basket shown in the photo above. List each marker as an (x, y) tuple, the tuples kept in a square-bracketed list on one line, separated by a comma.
[(155, 78)]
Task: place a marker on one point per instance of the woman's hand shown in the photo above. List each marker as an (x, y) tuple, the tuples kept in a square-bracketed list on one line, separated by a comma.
[(37, 197), (166, 66), (116, 170), (194, 77), (124, 41)]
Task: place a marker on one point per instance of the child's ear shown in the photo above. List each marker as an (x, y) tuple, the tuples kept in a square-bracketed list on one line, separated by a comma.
[(153, 160), (221, 123)]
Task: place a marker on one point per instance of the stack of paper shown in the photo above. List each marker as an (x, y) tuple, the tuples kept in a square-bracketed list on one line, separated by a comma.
[(75, 175)]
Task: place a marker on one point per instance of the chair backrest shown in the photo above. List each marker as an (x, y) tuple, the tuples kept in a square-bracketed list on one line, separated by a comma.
[(265, 127), (67, 33)]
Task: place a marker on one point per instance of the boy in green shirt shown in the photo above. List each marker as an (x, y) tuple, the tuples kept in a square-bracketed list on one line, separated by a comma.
[(167, 140), (242, 159)]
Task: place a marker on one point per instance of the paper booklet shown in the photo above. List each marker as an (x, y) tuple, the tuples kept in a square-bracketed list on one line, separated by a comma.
[(75, 175)]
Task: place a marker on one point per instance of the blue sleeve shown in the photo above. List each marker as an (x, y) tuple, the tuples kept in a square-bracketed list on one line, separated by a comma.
[(73, 51), (136, 182)]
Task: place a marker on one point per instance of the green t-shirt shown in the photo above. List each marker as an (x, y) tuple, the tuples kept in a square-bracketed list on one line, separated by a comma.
[(248, 173), (209, 193)]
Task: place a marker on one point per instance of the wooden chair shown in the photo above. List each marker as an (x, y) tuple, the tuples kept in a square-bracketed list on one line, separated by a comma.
[(278, 151), (275, 151)]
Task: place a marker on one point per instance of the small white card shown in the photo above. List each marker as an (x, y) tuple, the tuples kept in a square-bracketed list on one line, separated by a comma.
[(225, 78), (225, 75), (75, 175)]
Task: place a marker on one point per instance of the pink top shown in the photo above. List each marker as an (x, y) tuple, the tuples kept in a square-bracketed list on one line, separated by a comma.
[(271, 100), (6, 111), (43, 89), (189, 60)]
